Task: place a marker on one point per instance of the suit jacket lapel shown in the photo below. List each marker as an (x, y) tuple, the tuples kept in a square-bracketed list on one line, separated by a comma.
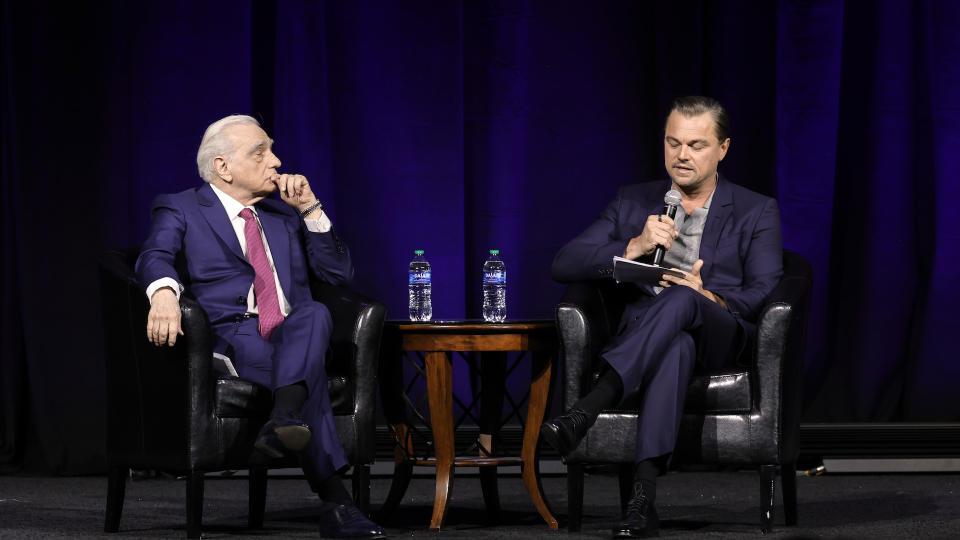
[(721, 208), (278, 238), (213, 212)]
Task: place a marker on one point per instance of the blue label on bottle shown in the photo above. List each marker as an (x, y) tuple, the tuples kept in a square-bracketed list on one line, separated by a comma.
[(420, 278), (495, 276)]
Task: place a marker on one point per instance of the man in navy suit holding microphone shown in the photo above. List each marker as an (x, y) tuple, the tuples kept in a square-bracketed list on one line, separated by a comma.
[(246, 259), (725, 239)]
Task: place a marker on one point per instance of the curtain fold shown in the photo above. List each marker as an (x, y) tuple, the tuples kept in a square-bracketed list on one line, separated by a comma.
[(13, 403)]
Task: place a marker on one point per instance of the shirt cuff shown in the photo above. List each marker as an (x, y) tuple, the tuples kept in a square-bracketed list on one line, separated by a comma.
[(164, 282), (319, 225)]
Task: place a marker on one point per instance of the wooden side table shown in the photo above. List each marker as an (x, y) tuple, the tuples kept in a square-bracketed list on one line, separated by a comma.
[(437, 340)]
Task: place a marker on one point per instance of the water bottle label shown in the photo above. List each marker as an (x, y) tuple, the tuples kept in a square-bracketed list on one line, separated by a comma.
[(420, 278), (495, 276)]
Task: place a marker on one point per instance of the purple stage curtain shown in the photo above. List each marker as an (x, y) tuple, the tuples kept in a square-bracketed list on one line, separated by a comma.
[(459, 127)]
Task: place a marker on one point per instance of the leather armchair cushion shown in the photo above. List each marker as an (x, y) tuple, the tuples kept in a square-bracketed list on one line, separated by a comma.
[(725, 392), (238, 398)]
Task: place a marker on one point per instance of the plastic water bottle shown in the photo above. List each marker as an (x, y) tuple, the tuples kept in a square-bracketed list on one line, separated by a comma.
[(421, 308), (494, 288)]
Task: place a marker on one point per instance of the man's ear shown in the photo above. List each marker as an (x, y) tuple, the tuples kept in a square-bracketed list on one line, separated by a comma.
[(724, 146), (222, 169)]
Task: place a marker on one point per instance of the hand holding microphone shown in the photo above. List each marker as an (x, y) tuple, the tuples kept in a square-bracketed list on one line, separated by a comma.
[(658, 232), (670, 202)]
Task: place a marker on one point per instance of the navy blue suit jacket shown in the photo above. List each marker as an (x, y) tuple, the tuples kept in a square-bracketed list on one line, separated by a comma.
[(741, 245), (191, 240)]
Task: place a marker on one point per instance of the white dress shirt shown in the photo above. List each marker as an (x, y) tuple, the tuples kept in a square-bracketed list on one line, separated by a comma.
[(233, 209)]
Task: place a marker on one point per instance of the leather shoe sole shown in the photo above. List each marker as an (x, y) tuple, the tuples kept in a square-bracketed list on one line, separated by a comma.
[(635, 533), (646, 526), (293, 437)]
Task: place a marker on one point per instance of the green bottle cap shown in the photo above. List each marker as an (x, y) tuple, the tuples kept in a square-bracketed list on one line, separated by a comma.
[(494, 251), (418, 252)]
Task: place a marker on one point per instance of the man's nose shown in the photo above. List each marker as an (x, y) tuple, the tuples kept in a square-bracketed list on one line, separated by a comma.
[(275, 163), (684, 152)]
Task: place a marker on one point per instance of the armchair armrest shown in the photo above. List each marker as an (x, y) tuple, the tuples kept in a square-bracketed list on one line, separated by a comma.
[(781, 349), (153, 392), (205, 448), (357, 329), (583, 328)]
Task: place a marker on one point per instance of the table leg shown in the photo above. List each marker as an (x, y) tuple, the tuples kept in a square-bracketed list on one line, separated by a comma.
[(493, 373), (539, 392), (491, 493), (440, 393)]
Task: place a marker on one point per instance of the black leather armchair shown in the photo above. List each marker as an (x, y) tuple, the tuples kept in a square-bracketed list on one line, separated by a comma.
[(743, 415), (168, 409)]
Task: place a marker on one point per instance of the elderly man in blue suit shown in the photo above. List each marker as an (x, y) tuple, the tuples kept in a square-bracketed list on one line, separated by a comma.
[(725, 239), (246, 259)]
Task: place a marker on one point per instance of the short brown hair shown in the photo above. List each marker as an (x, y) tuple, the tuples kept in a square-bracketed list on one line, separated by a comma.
[(696, 105)]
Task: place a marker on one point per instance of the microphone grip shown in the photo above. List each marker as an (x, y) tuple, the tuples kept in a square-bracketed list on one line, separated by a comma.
[(671, 212), (658, 255)]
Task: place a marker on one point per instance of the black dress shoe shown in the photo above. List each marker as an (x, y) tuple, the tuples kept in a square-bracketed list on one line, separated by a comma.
[(641, 520), (347, 521), (283, 433), (565, 431)]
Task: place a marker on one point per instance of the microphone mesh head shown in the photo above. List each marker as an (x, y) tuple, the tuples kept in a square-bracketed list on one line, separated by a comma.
[(672, 198)]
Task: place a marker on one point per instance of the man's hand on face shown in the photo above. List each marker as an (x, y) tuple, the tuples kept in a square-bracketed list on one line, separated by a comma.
[(295, 191), (163, 321), (658, 231), (692, 279)]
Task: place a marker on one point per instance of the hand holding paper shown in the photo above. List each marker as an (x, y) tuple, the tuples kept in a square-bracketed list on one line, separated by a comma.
[(626, 270), (691, 279)]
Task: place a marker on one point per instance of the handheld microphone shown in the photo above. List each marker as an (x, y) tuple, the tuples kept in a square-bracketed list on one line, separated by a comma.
[(670, 202)]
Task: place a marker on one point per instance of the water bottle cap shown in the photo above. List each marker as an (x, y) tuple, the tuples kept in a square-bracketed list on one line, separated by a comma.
[(418, 252), (494, 251)]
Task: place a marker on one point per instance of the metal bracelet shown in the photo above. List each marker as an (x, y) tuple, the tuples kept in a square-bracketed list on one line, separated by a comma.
[(312, 207)]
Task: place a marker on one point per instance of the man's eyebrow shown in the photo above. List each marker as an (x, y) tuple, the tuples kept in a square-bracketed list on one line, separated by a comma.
[(260, 145), (689, 143)]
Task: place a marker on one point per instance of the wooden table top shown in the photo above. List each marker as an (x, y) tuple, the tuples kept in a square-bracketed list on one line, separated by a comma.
[(472, 326)]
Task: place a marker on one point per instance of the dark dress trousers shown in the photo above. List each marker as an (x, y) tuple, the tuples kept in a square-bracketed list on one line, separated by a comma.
[(662, 338), (192, 241)]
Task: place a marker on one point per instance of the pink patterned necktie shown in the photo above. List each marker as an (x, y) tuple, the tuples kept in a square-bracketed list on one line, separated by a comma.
[(264, 286)]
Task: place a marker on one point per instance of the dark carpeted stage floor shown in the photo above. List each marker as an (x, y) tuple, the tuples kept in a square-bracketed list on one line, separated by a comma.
[(691, 504)]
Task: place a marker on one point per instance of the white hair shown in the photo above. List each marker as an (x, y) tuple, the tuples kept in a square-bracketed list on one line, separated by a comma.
[(215, 143)]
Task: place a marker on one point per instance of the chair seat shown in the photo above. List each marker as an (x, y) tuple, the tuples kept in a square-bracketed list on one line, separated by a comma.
[(239, 398), (725, 392)]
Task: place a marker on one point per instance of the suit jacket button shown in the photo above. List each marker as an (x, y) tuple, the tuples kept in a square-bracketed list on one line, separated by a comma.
[(242, 300)]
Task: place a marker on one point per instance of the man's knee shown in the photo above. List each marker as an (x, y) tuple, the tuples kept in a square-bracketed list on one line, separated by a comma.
[(316, 312)]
